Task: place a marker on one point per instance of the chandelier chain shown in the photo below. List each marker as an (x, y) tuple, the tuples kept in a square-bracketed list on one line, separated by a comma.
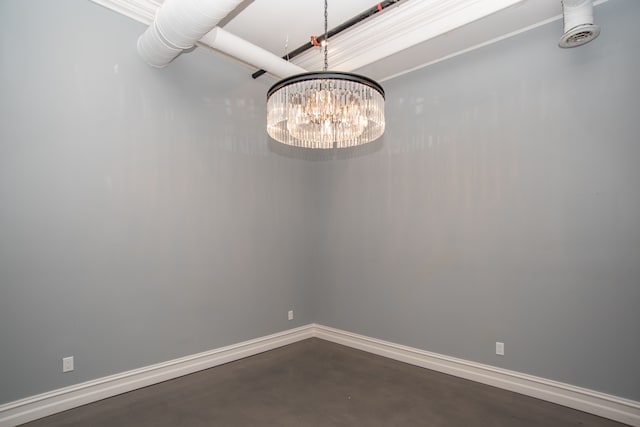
[(326, 36)]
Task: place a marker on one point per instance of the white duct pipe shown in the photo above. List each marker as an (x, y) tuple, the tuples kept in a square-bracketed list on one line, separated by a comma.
[(178, 25), (577, 12), (578, 23), (241, 49), (154, 50)]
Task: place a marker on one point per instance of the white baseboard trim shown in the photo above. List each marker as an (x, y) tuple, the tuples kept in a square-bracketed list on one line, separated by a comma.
[(52, 402), (42, 405), (601, 404)]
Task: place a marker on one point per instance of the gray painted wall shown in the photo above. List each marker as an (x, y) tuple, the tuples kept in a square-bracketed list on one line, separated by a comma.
[(504, 205), (142, 215)]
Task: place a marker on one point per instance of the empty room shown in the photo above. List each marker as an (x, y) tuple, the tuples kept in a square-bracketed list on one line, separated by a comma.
[(320, 213)]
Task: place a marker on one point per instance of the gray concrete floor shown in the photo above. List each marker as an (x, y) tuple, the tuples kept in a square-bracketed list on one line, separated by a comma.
[(318, 383)]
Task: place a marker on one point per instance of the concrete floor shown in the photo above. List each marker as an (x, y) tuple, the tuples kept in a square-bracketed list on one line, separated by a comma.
[(318, 383)]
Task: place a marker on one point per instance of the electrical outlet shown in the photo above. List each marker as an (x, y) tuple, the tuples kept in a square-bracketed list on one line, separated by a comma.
[(67, 364), (290, 315), (500, 348)]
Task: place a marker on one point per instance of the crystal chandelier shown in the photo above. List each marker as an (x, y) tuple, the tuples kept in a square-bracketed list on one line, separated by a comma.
[(325, 109)]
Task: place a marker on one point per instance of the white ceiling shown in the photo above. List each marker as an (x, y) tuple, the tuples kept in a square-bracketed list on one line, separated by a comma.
[(269, 23), (276, 24)]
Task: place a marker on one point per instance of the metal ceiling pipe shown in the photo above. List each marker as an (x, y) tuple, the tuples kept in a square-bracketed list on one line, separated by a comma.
[(178, 25), (334, 31), (245, 51)]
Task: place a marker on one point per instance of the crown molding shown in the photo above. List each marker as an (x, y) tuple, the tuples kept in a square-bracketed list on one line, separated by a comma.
[(400, 27), (143, 11)]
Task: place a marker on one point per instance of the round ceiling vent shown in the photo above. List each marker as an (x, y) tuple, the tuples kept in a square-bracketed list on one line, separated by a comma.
[(579, 35), (578, 23)]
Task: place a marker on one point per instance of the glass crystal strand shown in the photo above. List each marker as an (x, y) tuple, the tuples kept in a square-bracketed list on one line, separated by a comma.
[(326, 37), (298, 112)]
